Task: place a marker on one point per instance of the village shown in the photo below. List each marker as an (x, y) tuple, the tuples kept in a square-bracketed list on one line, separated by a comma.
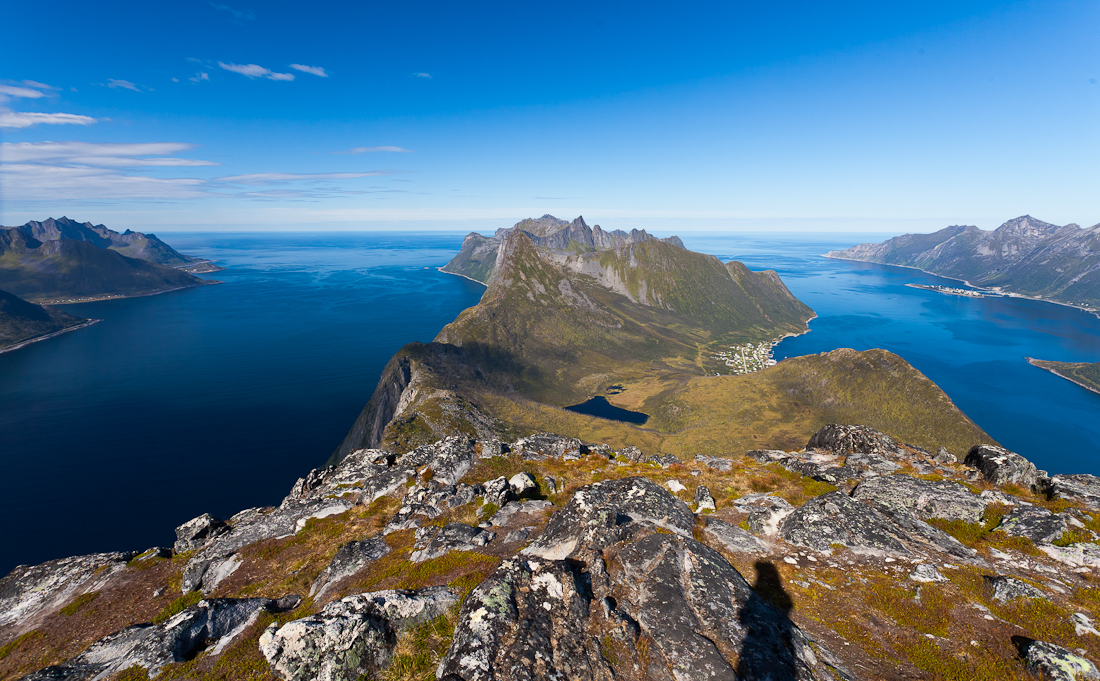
[(749, 357)]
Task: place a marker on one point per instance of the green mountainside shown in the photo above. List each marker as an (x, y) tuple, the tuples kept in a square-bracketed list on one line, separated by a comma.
[(21, 321), (640, 323), (1084, 374), (1024, 256), (61, 260)]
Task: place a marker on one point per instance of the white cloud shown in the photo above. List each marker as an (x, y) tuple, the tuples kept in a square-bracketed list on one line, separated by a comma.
[(315, 70), (255, 71), (24, 92), (40, 86), (98, 154), (33, 182), (367, 150), (199, 77), (239, 15), (115, 83), (19, 119), (422, 75), (278, 178)]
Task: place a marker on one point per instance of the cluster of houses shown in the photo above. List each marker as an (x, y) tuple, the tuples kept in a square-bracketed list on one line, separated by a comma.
[(743, 359)]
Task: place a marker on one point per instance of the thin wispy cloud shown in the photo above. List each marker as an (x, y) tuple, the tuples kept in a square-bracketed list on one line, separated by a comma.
[(255, 71), (315, 70), (124, 84), (24, 92), (368, 150), (34, 182), (239, 15), (422, 75), (20, 119), (279, 178), (111, 155), (200, 77)]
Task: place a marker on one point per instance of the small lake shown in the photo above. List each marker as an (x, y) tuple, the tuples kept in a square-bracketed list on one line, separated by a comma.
[(599, 406)]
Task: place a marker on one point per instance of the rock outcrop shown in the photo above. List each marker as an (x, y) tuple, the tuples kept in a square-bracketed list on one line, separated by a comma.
[(1001, 467)]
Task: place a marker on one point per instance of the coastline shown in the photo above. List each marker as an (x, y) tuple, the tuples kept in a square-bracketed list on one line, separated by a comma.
[(1003, 293), (47, 336), (1033, 362), (206, 282), (463, 276)]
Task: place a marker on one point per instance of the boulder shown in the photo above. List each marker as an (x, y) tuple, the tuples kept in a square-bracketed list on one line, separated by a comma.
[(945, 457), (492, 448), (522, 484), (498, 491), (29, 591), (845, 439), (923, 498), (433, 542), (209, 625), (1001, 467), (703, 500), (542, 446), (1035, 523), (1082, 488), (1055, 663), (529, 507), (766, 517), (664, 460), (350, 638), (1005, 589), (197, 531), (717, 463), (837, 519), (349, 559), (721, 535), (676, 486), (926, 572), (552, 485), (617, 587), (632, 454), (429, 500)]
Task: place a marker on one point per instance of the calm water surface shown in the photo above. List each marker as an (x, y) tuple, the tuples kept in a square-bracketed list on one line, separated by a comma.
[(218, 398)]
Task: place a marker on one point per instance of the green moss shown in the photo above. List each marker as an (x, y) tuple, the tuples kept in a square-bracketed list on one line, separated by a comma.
[(26, 639), (78, 603), (177, 606), (134, 673)]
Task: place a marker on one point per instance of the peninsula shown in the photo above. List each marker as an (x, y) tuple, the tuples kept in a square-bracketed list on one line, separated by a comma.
[(1084, 374), (22, 323)]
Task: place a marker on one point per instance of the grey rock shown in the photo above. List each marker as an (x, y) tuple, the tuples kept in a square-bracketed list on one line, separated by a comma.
[(847, 439), (1005, 589), (532, 618), (517, 536), (1055, 663), (1035, 523), (205, 626), (725, 537), (871, 464), (498, 491), (767, 455), (923, 498), (766, 518), (542, 446), (522, 484), (716, 463), (836, 518), (1084, 554), (350, 638), (1001, 467), (703, 499), (492, 448), (945, 457), (926, 572), (551, 484), (1083, 488), (197, 531), (31, 591), (529, 507), (433, 542), (664, 460), (632, 454), (349, 559), (426, 501)]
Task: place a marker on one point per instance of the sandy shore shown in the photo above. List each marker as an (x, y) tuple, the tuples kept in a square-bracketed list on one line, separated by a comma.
[(21, 344), (463, 276)]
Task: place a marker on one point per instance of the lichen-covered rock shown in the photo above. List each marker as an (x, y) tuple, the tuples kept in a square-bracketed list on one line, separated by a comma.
[(766, 513), (433, 542), (29, 591), (498, 491), (725, 537), (1055, 663), (1035, 523), (1001, 467), (542, 446), (926, 572), (923, 498), (617, 586), (717, 463), (426, 501), (1085, 554), (837, 519), (352, 637), (1083, 488), (522, 484), (197, 531), (1003, 589), (512, 508), (703, 500), (945, 457), (349, 559), (632, 454), (846, 439), (209, 625)]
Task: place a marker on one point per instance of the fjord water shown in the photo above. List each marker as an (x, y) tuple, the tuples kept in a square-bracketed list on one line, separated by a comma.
[(974, 349), (217, 398), (212, 399)]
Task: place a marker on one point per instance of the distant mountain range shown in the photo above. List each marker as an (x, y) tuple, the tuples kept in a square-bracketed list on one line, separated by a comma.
[(61, 260), (1024, 256), (21, 321)]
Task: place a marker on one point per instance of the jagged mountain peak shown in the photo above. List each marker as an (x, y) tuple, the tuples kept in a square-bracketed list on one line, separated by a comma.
[(1025, 225)]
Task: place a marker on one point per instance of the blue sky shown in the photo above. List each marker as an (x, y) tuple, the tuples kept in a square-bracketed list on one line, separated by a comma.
[(877, 117)]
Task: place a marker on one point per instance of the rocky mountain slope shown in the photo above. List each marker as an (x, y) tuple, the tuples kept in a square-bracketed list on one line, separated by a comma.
[(60, 260), (22, 322), (853, 557), (1023, 256)]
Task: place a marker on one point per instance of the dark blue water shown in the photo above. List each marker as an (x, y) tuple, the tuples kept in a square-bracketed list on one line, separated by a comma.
[(972, 348), (599, 406), (210, 399)]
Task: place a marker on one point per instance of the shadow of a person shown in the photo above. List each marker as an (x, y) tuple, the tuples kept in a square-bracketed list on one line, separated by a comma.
[(767, 651)]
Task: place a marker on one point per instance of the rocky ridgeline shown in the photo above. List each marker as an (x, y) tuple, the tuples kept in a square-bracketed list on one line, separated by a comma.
[(872, 559)]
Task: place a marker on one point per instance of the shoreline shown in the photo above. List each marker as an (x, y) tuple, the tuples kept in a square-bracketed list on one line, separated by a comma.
[(207, 282), (440, 269), (1000, 294), (52, 334), (1032, 361)]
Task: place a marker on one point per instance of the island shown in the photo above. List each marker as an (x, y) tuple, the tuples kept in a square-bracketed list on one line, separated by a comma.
[(1084, 374), (1024, 257)]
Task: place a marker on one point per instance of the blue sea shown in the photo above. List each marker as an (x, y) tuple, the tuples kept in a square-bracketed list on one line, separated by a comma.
[(218, 398)]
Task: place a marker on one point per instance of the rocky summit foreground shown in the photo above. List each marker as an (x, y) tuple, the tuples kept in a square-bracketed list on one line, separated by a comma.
[(855, 557)]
